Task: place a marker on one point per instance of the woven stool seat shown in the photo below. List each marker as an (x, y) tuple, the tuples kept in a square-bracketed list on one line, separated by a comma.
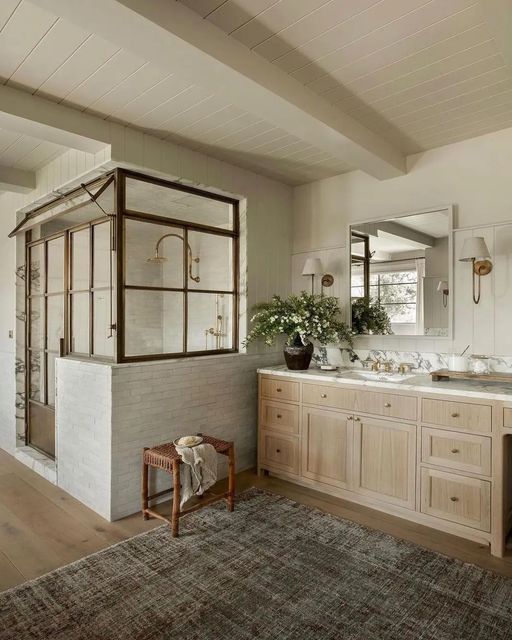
[(165, 457)]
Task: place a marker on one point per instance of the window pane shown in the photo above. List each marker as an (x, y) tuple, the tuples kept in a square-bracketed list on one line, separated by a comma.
[(398, 277), (80, 263), (153, 322), (36, 314), (51, 379), (55, 321), (147, 197), (215, 266), (210, 318), (148, 266), (102, 344), (36, 366), (36, 269), (56, 265), (101, 255), (401, 313), (80, 323), (398, 293)]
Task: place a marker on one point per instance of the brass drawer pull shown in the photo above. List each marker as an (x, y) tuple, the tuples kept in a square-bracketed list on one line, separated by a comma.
[(278, 389), (350, 417), (387, 404), (323, 395), (357, 419), (455, 415), (279, 416), (454, 450), (454, 499), (279, 451)]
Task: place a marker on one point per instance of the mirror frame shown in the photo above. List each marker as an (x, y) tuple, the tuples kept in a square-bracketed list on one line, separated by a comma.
[(348, 289)]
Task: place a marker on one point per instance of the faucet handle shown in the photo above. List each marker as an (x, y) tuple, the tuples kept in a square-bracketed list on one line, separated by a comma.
[(405, 367)]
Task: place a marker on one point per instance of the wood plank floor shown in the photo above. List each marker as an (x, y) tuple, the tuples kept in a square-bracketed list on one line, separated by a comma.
[(43, 528)]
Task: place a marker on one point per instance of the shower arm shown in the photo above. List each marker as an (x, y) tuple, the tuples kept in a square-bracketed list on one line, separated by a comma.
[(189, 250)]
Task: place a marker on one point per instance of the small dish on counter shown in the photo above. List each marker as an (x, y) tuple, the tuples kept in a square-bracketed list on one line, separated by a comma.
[(328, 367)]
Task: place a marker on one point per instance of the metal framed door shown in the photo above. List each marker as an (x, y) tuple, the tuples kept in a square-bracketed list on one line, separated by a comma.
[(45, 339)]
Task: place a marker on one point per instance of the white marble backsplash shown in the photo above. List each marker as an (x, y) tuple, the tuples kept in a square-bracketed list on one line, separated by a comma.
[(424, 362)]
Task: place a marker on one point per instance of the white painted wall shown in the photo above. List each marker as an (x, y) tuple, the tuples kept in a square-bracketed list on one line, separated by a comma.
[(475, 176)]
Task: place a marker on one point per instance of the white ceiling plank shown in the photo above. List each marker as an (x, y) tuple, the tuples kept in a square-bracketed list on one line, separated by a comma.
[(120, 66), (60, 42), (311, 53), (24, 29), (180, 103), (171, 32), (235, 13), (279, 16), (138, 82), (16, 180), (7, 138), (203, 7), (310, 26), (40, 156), (94, 52), (7, 8)]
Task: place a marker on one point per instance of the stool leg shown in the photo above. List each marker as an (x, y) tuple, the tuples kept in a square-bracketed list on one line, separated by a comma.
[(176, 499), (145, 476), (231, 481)]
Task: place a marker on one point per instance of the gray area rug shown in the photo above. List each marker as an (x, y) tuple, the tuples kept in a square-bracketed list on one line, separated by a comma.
[(273, 569)]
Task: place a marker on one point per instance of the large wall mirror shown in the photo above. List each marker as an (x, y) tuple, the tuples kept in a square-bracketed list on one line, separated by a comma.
[(401, 274)]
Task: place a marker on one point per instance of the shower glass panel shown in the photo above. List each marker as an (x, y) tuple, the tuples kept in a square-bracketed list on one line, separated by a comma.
[(154, 255), (79, 309), (210, 317), (80, 259), (154, 322), (215, 267), (150, 196)]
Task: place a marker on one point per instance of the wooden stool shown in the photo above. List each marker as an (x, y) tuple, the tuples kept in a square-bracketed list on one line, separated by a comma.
[(165, 457)]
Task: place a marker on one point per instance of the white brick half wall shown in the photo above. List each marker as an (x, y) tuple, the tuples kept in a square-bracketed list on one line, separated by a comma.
[(106, 414)]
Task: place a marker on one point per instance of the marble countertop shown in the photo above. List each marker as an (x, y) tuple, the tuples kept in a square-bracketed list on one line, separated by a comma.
[(421, 382)]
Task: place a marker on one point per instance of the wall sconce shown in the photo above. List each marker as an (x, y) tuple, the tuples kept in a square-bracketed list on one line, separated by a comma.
[(313, 267), (442, 287), (475, 250)]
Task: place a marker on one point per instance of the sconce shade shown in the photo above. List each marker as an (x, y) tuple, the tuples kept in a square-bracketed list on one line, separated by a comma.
[(474, 249), (313, 267), (443, 285)]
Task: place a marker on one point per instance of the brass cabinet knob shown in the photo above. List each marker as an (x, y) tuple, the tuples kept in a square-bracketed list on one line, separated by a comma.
[(454, 450), (279, 416), (350, 417), (387, 404), (357, 419), (278, 450), (454, 499), (455, 415), (278, 389), (323, 395)]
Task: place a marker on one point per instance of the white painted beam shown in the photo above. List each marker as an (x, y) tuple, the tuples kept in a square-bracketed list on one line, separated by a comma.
[(41, 118), (17, 180), (174, 37)]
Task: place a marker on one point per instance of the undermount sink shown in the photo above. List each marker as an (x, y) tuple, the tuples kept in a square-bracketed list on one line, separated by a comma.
[(383, 376)]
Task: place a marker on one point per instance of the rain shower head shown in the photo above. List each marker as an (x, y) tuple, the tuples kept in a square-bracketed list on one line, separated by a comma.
[(157, 259)]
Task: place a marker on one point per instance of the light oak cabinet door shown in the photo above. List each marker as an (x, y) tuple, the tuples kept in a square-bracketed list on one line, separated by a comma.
[(385, 461), (327, 438), (455, 450), (456, 498), (279, 416)]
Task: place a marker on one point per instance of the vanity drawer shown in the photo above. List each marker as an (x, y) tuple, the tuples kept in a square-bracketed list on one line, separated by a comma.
[(456, 450), (459, 499), (457, 415), (280, 389), (280, 416), (389, 405), (329, 397), (279, 452), (507, 417)]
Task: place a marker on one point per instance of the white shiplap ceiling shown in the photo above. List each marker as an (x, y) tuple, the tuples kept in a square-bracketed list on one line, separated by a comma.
[(420, 73), (24, 152)]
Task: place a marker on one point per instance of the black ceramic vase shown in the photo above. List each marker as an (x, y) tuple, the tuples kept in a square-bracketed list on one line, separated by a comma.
[(297, 355)]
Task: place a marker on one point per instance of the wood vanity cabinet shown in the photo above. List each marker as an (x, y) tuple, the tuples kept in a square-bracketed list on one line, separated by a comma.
[(438, 460)]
